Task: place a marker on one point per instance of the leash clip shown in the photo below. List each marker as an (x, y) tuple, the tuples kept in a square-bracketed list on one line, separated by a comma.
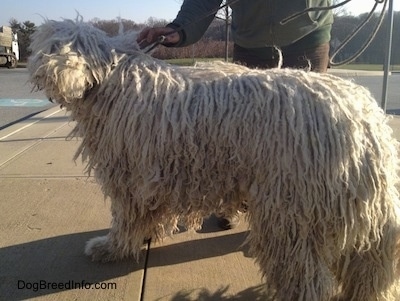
[(161, 39)]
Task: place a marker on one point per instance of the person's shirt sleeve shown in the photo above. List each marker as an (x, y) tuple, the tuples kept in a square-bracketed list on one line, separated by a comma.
[(193, 19)]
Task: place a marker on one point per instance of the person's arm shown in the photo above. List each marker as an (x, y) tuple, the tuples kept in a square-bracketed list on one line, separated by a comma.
[(192, 21), (150, 35)]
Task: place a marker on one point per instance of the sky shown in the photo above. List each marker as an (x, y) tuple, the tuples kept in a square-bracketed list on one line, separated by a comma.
[(138, 11)]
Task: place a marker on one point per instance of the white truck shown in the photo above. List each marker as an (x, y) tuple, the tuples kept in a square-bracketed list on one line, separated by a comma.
[(9, 50)]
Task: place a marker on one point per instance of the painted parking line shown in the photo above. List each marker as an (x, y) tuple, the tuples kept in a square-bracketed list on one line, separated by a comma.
[(10, 102)]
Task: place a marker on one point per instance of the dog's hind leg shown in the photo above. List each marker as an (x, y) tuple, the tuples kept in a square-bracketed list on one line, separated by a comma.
[(371, 274), (289, 259)]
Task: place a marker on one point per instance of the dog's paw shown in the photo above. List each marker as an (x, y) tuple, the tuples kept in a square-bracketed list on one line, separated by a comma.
[(99, 249)]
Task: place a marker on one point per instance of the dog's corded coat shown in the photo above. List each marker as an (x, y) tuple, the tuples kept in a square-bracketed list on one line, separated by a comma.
[(310, 154)]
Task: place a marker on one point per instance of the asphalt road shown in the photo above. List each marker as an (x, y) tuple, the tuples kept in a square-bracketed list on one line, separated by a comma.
[(374, 84), (18, 101)]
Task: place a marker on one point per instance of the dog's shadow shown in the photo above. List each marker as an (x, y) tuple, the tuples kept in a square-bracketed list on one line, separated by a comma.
[(60, 259), (255, 293)]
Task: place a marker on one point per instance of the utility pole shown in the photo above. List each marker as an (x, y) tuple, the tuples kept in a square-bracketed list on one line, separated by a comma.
[(387, 56)]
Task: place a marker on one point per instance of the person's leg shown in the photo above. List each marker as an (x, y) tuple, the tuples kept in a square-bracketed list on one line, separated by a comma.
[(314, 59), (260, 58)]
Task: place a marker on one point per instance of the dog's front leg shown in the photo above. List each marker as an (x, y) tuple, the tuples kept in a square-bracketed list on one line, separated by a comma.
[(126, 237)]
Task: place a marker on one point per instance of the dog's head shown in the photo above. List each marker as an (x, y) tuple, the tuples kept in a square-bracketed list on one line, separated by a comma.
[(70, 57)]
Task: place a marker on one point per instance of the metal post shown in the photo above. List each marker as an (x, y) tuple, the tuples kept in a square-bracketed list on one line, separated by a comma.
[(227, 25), (388, 55), (193, 60)]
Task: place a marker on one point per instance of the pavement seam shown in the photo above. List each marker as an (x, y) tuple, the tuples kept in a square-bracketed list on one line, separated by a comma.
[(25, 149)]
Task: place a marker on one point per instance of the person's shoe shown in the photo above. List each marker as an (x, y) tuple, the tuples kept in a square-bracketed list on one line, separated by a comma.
[(229, 222)]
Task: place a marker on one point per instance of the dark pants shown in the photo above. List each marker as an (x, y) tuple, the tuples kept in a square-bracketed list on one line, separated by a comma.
[(314, 58)]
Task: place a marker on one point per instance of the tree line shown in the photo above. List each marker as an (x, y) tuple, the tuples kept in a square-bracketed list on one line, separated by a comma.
[(213, 42)]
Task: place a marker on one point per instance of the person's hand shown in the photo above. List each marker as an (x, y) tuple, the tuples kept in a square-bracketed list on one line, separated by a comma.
[(150, 35)]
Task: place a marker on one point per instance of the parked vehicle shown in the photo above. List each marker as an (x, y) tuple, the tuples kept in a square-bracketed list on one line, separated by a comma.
[(9, 49)]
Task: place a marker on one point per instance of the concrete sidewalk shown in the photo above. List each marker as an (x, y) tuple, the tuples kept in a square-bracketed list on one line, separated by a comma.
[(354, 73), (49, 209)]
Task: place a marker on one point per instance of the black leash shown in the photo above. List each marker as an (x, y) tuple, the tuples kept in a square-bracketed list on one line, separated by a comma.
[(356, 30), (311, 9)]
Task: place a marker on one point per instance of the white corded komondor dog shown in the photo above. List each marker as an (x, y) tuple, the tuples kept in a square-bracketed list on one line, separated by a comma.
[(310, 154)]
